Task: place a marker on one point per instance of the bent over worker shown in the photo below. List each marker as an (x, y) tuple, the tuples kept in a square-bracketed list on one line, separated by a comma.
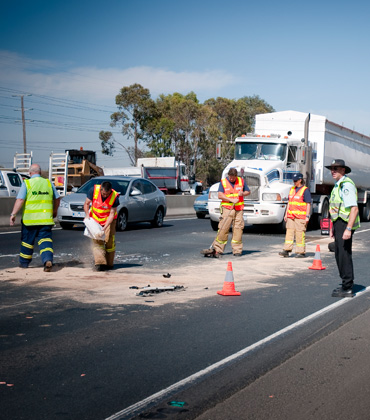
[(104, 202), (232, 191), (297, 216), (40, 201)]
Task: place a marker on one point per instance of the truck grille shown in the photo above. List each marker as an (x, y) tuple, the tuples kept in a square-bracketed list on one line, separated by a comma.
[(253, 181)]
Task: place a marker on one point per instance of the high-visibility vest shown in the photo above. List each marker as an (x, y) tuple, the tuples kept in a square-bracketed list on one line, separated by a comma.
[(231, 191), (38, 206), (297, 208), (336, 208), (100, 209)]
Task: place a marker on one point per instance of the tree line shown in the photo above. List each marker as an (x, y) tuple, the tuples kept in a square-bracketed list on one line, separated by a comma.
[(179, 125)]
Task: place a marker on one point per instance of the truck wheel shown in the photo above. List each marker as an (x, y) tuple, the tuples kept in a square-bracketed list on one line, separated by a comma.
[(201, 215), (365, 214), (122, 221), (281, 227), (324, 213), (158, 218), (214, 225)]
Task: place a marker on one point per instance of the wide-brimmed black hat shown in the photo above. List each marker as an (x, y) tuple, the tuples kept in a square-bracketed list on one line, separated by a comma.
[(339, 162)]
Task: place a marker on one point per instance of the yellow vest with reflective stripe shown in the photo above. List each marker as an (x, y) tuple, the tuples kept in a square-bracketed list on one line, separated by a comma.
[(336, 208), (233, 192), (38, 206)]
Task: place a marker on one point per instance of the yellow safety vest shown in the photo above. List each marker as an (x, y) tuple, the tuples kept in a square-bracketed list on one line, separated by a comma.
[(38, 206), (336, 208)]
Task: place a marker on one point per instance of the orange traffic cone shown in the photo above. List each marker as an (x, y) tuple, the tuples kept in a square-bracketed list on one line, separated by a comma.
[(317, 265), (229, 287)]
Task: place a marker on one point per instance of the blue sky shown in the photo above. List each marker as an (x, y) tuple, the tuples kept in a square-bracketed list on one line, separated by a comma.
[(74, 56)]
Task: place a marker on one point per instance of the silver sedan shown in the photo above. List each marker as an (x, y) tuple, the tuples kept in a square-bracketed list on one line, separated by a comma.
[(140, 201)]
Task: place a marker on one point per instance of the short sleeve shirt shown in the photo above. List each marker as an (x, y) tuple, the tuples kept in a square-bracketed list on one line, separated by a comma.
[(306, 195), (348, 194)]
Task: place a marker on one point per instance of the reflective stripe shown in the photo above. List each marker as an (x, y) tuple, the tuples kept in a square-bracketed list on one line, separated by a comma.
[(46, 249), (27, 257), (44, 240), (27, 245)]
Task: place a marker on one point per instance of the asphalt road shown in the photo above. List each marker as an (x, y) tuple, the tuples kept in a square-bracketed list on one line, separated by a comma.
[(63, 360)]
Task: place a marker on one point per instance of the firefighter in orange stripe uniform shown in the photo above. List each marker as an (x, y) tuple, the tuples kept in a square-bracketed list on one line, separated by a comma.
[(297, 216), (104, 202), (232, 191)]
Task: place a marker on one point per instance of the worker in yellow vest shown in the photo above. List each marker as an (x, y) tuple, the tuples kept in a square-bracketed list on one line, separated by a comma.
[(344, 213), (297, 216), (104, 202), (40, 201), (232, 191)]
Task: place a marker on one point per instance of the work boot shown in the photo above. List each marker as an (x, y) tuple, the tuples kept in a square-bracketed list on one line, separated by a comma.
[(300, 255), (100, 267), (340, 292), (209, 252), (48, 266), (284, 253)]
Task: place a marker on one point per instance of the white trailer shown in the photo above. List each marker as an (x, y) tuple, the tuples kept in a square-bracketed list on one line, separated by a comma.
[(287, 142)]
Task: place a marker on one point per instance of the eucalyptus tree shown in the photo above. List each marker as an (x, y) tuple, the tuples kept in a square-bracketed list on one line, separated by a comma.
[(135, 110)]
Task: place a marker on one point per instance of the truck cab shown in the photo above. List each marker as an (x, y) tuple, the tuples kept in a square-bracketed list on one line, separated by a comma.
[(267, 164)]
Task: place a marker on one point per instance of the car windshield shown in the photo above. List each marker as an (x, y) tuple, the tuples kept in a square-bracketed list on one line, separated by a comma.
[(254, 150), (118, 185)]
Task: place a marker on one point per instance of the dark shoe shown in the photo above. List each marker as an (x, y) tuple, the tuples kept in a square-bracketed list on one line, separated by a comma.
[(217, 255), (208, 252), (300, 255), (331, 246), (23, 265), (239, 254), (109, 267), (100, 267), (284, 253), (340, 292), (48, 266)]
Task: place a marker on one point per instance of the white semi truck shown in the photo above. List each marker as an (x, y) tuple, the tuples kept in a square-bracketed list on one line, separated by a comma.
[(287, 142)]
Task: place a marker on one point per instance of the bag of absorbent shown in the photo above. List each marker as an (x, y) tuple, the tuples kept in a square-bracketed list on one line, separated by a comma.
[(93, 230)]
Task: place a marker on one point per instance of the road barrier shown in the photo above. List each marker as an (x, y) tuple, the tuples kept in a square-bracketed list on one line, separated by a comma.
[(177, 205)]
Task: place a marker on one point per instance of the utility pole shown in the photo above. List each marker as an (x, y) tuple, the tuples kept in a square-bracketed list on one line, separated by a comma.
[(23, 121)]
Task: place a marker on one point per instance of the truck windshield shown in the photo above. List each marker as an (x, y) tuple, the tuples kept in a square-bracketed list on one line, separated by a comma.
[(263, 151)]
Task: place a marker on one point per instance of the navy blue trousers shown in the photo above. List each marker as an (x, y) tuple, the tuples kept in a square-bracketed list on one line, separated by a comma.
[(43, 236)]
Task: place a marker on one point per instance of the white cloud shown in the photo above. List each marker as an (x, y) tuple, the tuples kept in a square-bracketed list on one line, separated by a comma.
[(95, 84)]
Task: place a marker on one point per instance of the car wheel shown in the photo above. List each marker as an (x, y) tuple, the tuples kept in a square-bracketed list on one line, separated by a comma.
[(122, 221), (66, 226), (201, 215), (214, 225), (158, 218)]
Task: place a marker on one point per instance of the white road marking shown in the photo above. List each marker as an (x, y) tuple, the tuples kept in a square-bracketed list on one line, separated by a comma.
[(26, 303), (158, 396)]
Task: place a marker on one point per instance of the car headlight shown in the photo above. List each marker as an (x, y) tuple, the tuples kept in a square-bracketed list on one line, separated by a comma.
[(64, 204), (213, 195), (271, 197)]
